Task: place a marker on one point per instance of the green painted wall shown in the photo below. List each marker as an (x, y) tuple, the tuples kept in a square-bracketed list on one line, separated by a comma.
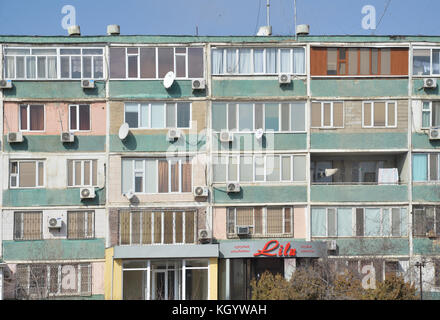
[(359, 87), (52, 143), (276, 141), (426, 246), (59, 249), (353, 193), (141, 89), (372, 246), (418, 89), (54, 89), (92, 297), (262, 194), (156, 143), (427, 192), (49, 197), (257, 88), (359, 141), (421, 141)]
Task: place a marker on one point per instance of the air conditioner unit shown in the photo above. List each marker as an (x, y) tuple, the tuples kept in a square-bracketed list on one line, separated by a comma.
[(88, 83), (242, 230), (54, 222), (226, 136), (233, 187), (5, 84), (429, 83), (200, 191), (67, 137), (331, 245), (434, 134), (198, 84), (15, 137), (284, 78), (87, 193), (204, 235), (173, 134)]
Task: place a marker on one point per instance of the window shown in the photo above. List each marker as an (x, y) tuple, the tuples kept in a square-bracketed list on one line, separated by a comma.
[(430, 114), (43, 280), (262, 221), (360, 222), (426, 167), (259, 168), (28, 225), (158, 115), (327, 114), (31, 117), (426, 62), (80, 224), (157, 227), (426, 221), (156, 62), (358, 61), (79, 117), (156, 175), (26, 173), (379, 114), (54, 63), (82, 173), (258, 60), (248, 117)]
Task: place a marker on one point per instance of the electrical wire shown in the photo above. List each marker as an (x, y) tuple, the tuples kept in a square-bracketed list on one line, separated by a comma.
[(258, 17), (384, 11)]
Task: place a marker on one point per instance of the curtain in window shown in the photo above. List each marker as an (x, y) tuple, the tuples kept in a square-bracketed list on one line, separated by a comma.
[(435, 61), (244, 217), (183, 114), (421, 61), (372, 222), (127, 176), (344, 222), (245, 61), (297, 116), (218, 116), (258, 60), (420, 167), (231, 61), (245, 116), (157, 115), (23, 117), (272, 117), (124, 218), (271, 60), (84, 117), (186, 176), (285, 61), (27, 174), (36, 117), (9, 67), (163, 176), (146, 227), (72, 225), (435, 114), (274, 221), (189, 226), (41, 67), (319, 224), (31, 68), (174, 176), (217, 61), (299, 61)]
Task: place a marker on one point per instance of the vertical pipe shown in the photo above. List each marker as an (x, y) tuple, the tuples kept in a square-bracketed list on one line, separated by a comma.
[(294, 9), (268, 13)]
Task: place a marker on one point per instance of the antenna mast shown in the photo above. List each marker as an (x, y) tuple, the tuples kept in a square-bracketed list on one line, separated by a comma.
[(294, 8), (268, 13)]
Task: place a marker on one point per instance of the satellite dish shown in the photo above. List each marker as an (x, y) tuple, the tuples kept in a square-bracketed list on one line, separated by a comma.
[(169, 79), (259, 133), (123, 131)]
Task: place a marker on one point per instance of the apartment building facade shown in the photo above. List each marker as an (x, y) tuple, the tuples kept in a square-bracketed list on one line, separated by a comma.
[(260, 153)]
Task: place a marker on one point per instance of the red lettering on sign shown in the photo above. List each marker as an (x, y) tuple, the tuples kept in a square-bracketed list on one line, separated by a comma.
[(273, 245)]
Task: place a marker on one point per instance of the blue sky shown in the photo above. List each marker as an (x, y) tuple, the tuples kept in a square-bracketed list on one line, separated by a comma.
[(218, 17)]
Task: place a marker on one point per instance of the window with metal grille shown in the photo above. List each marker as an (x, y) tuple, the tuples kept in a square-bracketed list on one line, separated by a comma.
[(261, 221), (28, 225), (44, 280), (82, 173), (80, 224), (157, 227), (426, 221)]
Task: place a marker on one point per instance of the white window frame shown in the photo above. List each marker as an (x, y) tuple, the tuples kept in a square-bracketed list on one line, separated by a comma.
[(17, 175), (331, 126), (78, 120), (28, 112), (150, 113), (264, 221), (278, 61), (143, 172), (74, 185), (162, 223), (373, 103), (430, 62)]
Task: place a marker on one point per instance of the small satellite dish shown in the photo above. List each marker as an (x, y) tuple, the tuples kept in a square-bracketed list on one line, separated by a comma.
[(123, 131), (259, 133), (169, 79)]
